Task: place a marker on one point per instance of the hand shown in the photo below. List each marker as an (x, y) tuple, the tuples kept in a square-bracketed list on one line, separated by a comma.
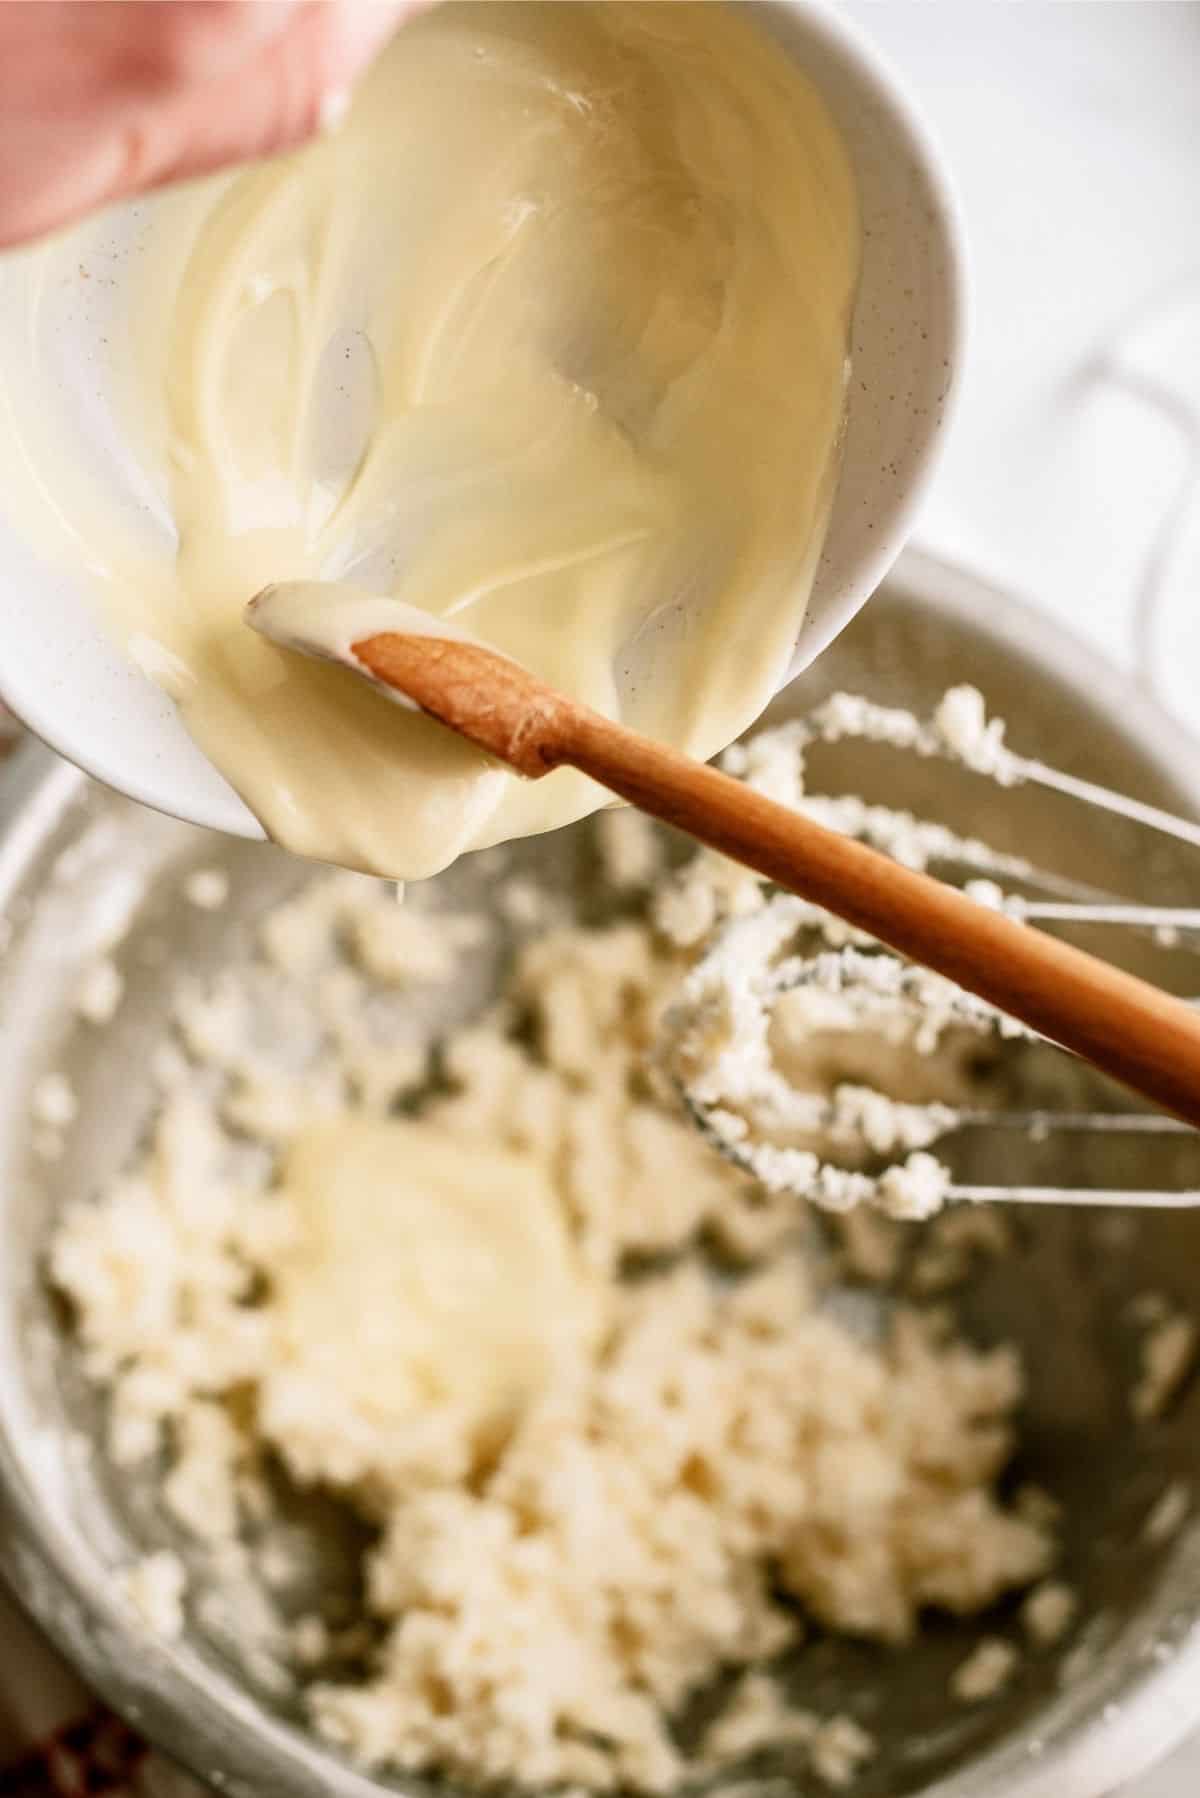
[(100, 99)]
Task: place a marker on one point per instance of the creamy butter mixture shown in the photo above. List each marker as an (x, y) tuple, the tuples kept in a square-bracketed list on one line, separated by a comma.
[(549, 338), (468, 1286)]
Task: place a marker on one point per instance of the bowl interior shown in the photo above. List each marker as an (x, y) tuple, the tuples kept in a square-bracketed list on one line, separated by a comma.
[(64, 677), (77, 860)]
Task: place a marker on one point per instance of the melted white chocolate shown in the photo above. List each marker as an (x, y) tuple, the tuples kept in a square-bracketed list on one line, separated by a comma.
[(549, 339), (452, 1260)]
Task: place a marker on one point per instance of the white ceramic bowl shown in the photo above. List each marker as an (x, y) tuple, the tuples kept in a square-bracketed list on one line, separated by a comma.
[(68, 682)]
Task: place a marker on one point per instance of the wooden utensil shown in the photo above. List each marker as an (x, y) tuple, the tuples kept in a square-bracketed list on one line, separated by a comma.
[(1145, 1038)]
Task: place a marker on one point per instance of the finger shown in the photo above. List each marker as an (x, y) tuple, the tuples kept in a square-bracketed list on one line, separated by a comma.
[(59, 56), (193, 41), (147, 126), (277, 102)]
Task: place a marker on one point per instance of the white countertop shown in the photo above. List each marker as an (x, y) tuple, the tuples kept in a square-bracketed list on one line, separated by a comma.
[(1074, 135)]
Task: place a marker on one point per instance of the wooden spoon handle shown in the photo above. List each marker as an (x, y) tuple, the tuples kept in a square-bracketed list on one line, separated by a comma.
[(1145, 1038)]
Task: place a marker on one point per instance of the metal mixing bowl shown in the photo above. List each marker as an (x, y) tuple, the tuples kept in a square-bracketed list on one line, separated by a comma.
[(75, 861)]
